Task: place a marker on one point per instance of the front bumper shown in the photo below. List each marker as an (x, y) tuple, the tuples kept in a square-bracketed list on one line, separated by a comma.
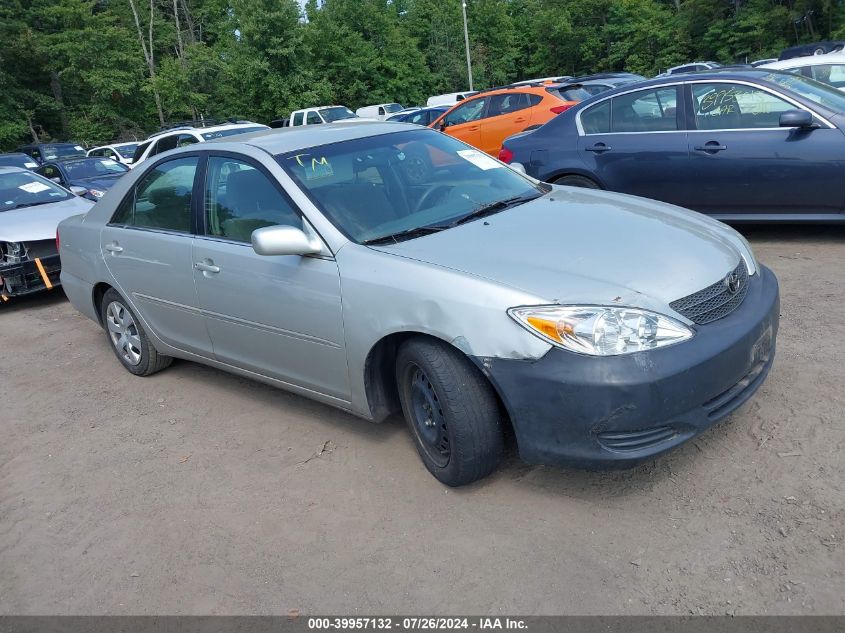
[(25, 277), (616, 411)]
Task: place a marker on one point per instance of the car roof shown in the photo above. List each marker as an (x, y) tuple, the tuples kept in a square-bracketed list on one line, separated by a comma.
[(808, 60), (288, 139)]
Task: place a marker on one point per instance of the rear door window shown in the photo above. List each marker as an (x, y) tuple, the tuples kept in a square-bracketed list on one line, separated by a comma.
[(314, 118), (645, 111), (507, 103), (596, 119), (162, 198)]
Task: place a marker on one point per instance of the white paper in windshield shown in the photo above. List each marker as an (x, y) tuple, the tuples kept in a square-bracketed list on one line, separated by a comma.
[(30, 165), (34, 187), (109, 162), (479, 159), (79, 147)]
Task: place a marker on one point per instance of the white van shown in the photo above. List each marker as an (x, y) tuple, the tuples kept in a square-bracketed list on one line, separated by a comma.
[(380, 111), (449, 99)]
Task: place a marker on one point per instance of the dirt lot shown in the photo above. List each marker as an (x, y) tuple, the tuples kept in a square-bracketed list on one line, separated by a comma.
[(194, 491)]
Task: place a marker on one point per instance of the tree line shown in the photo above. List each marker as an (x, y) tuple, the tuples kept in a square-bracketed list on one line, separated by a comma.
[(99, 70)]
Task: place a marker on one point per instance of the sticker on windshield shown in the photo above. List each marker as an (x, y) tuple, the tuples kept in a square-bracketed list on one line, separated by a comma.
[(78, 147), (480, 160), (34, 187)]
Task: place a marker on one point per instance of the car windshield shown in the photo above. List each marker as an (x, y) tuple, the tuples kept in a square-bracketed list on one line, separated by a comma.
[(52, 152), (823, 94), (337, 113), (127, 151), (208, 136), (93, 168), (392, 107), (26, 189), (17, 160), (403, 184)]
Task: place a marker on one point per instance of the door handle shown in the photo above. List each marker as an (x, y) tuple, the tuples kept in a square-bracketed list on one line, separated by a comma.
[(519, 120), (206, 267), (711, 147), (114, 248), (474, 128), (598, 148)]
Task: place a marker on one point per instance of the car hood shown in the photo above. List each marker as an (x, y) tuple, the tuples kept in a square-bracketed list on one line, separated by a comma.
[(582, 246), (98, 182), (28, 224)]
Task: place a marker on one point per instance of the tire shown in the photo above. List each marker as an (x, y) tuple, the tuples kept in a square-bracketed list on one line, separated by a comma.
[(577, 181), (127, 338), (451, 411)]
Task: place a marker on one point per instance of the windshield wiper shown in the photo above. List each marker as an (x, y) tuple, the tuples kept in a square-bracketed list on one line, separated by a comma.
[(494, 207), (405, 235)]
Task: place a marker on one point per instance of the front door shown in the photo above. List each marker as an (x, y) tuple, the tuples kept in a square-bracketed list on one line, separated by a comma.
[(464, 121), (636, 143), (276, 316), (744, 163), (147, 249)]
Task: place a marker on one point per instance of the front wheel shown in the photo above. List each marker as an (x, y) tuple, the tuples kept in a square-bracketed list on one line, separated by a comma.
[(128, 339), (451, 410)]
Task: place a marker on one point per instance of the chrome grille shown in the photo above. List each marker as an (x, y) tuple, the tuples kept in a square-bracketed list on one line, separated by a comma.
[(716, 300)]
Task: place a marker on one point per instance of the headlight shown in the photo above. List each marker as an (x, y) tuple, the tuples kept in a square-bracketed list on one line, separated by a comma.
[(96, 193), (601, 330)]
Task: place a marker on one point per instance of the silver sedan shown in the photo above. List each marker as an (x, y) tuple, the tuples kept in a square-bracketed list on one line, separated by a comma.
[(383, 268)]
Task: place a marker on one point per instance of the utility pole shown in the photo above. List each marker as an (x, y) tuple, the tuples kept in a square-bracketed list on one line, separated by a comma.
[(466, 42)]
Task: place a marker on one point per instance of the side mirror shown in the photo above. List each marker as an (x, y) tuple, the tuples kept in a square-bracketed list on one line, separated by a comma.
[(284, 240), (77, 190), (796, 118)]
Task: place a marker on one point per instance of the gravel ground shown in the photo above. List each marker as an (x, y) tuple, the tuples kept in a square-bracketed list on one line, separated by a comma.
[(197, 492)]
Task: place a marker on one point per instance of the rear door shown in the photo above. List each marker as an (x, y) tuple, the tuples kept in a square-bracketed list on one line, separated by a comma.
[(744, 163), (277, 316), (636, 143), (464, 121), (507, 114), (147, 249)]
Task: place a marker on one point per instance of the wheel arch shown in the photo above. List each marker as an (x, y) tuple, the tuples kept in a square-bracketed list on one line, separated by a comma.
[(575, 172), (380, 375), (97, 294)]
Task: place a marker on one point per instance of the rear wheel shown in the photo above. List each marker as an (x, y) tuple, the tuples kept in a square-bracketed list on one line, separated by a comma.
[(451, 410), (128, 339), (574, 180)]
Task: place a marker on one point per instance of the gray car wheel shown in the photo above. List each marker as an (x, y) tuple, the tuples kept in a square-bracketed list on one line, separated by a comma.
[(451, 410), (128, 339), (574, 180)]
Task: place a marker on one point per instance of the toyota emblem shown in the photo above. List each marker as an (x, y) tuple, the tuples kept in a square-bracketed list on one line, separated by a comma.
[(732, 283)]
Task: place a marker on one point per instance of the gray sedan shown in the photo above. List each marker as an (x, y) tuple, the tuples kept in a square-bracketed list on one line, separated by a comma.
[(382, 267)]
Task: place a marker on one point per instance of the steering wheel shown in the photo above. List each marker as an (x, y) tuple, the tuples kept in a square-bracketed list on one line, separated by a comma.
[(429, 195)]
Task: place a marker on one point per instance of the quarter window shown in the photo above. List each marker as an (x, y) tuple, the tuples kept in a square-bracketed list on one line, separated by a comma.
[(736, 106), (298, 118), (162, 199), (240, 199), (466, 112)]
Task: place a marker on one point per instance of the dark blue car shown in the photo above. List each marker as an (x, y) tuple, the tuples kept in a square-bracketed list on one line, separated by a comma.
[(423, 116), (740, 145), (95, 175)]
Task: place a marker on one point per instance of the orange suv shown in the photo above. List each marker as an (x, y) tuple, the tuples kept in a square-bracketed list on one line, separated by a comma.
[(488, 118)]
